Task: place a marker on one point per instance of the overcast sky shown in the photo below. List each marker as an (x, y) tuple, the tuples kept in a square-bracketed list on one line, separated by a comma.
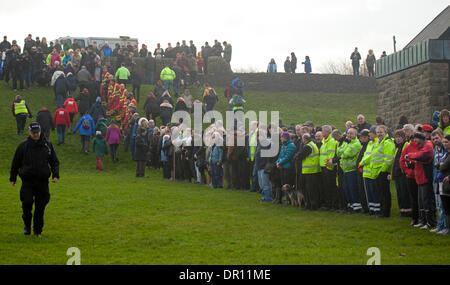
[(258, 30)]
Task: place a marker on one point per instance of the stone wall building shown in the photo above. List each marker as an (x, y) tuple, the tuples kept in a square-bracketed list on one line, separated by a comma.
[(416, 81)]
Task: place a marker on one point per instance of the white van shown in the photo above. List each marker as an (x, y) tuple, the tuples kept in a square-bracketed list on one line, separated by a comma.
[(85, 42)]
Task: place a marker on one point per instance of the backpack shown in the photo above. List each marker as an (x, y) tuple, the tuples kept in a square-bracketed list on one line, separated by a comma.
[(237, 101), (212, 93), (86, 125)]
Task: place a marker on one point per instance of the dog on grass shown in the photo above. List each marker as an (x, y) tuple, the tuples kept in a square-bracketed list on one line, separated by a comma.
[(295, 196)]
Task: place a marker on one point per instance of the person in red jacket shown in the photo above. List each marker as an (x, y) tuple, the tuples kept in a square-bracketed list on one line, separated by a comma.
[(72, 108), (61, 119), (423, 172), (411, 185)]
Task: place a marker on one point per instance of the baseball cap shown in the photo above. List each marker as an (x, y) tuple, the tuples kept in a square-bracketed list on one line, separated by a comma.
[(34, 127)]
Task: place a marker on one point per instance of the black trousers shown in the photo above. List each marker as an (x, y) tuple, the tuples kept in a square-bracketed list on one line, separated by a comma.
[(137, 92), (140, 168), (382, 186), (328, 191), (404, 202), (236, 172), (167, 169), (311, 190), (114, 149), (414, 198), (340, 201), (426, 205), (37, 193)]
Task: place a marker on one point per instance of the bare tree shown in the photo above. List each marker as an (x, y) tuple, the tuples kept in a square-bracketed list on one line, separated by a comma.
[(343, 67)]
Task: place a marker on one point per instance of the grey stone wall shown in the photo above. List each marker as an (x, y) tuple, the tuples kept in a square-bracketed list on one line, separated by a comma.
[(300, 82), (415, 93), (221, 75)]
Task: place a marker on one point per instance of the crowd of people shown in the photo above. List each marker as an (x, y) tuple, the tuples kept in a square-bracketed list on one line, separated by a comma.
[(38, 61), (316, 167)]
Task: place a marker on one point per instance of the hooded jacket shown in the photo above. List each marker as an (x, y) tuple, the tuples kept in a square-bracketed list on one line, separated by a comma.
[(151, 105), (71, 106), (99, 146), (44, 118), (61, 117)]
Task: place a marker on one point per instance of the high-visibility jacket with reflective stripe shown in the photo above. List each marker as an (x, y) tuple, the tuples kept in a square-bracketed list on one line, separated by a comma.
[(167, 74), (349, 155), (20, 108), (365, 161), (311, 163), (327, 151), (252, 144), (382, 158)]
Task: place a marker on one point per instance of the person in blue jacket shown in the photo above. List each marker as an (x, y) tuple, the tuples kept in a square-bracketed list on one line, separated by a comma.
[(272, 67), (307, 64), (237, 85), (87, 129), (285, 161)]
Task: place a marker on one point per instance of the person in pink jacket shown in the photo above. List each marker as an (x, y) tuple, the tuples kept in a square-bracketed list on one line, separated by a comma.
[(113, 139)]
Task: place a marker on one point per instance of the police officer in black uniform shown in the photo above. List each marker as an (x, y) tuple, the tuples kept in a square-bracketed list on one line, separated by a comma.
[(31, 161)]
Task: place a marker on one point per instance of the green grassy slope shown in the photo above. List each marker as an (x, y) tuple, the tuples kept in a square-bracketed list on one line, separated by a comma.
[(115, 218)]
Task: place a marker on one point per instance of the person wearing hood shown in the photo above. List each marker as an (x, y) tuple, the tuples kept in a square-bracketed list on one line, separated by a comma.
[(444, 121), (181, 105), (84, 100), (435, 119), (166, 112), (307, 64), (44, 118), (60, 89), (151, 107), (20, 111), (113, 139), (72, 108), (72, 82), (102, 125), (97, 110), (166, 96), (87, 129), (61, 119), (100, 149), (188, 99), (140, 153)]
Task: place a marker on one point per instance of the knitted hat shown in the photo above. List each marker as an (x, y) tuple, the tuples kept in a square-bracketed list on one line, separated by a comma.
[(286, 135), (427, 128), (97, 133), (98, 99)]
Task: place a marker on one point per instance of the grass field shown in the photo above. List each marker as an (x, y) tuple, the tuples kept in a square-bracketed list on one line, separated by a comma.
[(115, 218)]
